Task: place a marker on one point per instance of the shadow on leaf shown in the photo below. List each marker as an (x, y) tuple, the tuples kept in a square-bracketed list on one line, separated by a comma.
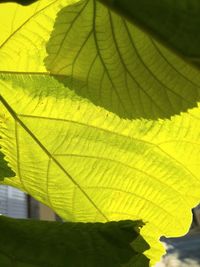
[(111, 62)]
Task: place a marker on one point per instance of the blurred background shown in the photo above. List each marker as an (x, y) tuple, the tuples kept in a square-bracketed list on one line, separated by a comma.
[(181, 252), (184, 251)]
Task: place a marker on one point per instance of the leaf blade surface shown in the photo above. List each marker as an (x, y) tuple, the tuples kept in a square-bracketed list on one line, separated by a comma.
[(47, 244), (114, 168), (114, 64), (93, 166)]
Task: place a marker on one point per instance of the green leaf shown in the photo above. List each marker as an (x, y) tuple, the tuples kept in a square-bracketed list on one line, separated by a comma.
[(47, 244), (89, 165), (111, 62), (175, 23), (85, 162), (5, 170)]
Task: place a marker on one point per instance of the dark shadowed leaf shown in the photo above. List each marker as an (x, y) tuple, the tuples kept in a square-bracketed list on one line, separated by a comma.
[(5, 170), (27, 243), (110, 61), (22, 2), (176, 23)]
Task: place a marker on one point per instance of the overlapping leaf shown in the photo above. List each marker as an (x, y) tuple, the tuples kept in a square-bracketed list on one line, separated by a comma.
[(22, 2), (5, 170), (117, 66), (24, 34), (59, 244), (175, 23), (84, 162), (89, 165)]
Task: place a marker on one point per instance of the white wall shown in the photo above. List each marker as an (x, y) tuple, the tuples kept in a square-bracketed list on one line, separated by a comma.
[(13, 202)]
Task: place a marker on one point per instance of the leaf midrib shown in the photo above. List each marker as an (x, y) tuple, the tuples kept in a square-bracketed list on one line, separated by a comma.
[(17, 119)]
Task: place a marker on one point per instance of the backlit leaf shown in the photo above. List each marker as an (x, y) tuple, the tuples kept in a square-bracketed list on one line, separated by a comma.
[(89, 165), (117, 66), (84, 162), (24, 34)]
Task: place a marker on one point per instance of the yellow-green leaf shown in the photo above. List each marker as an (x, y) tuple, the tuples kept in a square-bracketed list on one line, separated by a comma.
[(117, 66), (86, 163), (24, 34), (90, 165)]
